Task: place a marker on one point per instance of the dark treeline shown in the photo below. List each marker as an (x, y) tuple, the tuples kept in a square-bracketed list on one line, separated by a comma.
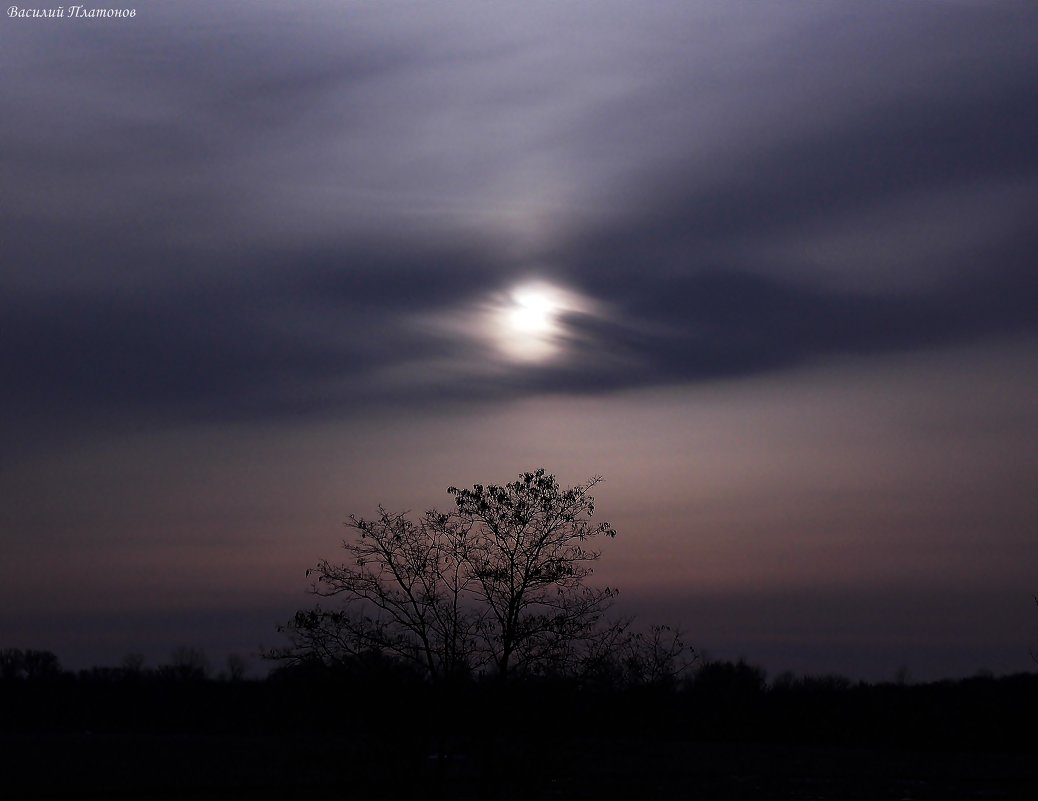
[(722, 731), (717, 701)]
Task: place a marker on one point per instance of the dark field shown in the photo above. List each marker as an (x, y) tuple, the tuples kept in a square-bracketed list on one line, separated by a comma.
[(724, 733), (259, 768)]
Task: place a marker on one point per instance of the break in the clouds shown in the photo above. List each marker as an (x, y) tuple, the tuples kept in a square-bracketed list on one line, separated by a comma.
[(221, 214)]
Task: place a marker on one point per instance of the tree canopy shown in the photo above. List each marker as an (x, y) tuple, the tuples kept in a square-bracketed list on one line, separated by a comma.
[(497, 585)]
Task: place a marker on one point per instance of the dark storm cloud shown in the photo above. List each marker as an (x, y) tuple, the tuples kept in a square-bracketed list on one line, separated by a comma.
[(722, 324), (134, 285), (257, 225), (695, 293), (897, 151), (289, 341)]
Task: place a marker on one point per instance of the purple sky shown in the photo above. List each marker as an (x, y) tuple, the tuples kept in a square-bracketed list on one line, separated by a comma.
[(766, 267)]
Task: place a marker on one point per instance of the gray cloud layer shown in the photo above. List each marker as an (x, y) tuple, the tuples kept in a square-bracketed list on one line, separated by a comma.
[(245, 219)]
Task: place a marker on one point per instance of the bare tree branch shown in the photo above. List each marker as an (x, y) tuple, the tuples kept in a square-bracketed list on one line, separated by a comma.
[(499, 584)]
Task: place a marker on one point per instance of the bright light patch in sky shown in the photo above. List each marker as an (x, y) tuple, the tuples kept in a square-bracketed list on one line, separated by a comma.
[(532, 314), (527, 324)]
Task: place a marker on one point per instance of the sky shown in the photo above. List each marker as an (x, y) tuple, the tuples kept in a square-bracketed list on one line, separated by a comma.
[(766, 267)]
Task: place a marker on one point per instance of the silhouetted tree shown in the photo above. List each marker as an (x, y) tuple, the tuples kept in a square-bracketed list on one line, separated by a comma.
[(730, 679), (659, 656), (624, 657), (186, 663), (28, 664), (237, 667), (498, 584), (132, 664)]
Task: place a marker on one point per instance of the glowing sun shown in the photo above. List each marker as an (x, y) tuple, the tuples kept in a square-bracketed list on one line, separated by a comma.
[(526, 321), (532, 312)]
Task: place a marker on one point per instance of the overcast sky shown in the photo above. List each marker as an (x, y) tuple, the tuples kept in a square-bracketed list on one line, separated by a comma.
[(767, 267)]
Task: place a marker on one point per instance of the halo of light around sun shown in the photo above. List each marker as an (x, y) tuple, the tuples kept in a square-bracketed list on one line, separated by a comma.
[(526, 322)]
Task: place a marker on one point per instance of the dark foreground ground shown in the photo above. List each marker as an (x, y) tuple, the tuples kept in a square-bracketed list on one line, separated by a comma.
[(724, 733), (228, 767)]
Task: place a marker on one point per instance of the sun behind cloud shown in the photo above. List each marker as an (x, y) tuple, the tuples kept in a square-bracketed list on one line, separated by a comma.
[(531, 322), (526, 323)]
